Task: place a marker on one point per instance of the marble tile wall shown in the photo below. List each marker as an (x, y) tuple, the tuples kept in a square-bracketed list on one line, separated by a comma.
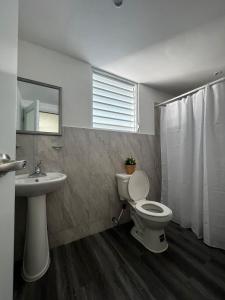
[(89, 199)]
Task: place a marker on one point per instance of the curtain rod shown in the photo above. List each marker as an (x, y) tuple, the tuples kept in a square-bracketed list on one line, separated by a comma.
[(188, 93)]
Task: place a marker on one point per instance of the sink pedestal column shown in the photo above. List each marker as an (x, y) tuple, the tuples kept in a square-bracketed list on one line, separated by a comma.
[(36, 258)]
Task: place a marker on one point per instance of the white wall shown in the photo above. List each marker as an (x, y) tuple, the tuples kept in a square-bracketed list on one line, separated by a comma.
[(75, 77), (8, 84), (147, 98)]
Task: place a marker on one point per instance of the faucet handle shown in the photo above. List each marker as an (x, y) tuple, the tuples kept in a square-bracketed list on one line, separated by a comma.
[(39, 163), (37, 170)]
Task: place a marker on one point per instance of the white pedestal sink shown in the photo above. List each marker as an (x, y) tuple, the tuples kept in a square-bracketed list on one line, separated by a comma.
[(36, 258)]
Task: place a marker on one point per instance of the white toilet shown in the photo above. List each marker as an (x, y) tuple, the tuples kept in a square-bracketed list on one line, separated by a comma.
[(150, 217)]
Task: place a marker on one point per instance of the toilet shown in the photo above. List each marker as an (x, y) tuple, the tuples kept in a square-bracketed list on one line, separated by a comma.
[(150, 217)]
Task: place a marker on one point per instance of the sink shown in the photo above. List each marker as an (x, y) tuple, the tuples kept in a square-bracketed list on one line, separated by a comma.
[(36, 258), (36, 186)]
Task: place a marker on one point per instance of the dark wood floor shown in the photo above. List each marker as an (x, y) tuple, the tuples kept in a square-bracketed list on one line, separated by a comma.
[(113, 265)]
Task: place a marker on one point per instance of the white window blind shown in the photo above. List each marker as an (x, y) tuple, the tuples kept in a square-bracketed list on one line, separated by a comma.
[(114, 103)]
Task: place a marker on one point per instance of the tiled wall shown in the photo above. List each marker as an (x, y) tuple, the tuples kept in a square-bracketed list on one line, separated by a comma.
[(89, 199)]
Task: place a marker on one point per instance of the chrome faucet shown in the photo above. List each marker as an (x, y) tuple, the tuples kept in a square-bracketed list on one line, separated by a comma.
[(37, 171)]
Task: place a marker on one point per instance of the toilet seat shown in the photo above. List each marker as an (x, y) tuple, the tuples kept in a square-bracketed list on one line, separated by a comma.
[(138, 189), (152, 208)]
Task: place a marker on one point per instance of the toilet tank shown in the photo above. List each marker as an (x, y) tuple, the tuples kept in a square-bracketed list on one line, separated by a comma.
[(122, 182)]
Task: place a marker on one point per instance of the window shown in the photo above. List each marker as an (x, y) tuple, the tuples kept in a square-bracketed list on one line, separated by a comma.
[(114, 103), (48, 122)]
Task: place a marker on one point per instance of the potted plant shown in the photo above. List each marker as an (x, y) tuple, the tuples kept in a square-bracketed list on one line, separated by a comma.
[(130, 165)]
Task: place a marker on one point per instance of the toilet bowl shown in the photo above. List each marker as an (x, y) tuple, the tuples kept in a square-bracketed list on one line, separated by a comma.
[(150, 217)]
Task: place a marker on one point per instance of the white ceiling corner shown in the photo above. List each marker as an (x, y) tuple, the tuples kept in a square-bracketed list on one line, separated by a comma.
[(173, 45)]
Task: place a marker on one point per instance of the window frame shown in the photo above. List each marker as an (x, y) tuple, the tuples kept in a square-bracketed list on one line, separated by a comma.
[(136, 100)]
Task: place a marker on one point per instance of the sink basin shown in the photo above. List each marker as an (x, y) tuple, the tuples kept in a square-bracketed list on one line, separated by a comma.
[(36, 186), (36, 258)]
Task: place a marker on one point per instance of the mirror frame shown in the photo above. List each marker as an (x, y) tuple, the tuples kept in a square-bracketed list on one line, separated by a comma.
[(60, 107)]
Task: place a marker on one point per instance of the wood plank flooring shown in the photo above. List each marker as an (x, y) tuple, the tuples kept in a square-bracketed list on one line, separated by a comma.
[(113, 265)]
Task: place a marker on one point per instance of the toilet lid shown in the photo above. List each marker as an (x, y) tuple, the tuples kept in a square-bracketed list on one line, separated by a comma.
[(138, 186)]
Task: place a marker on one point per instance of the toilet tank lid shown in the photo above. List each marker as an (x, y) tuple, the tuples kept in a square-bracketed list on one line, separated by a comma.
[(138, 186), (123, 176)]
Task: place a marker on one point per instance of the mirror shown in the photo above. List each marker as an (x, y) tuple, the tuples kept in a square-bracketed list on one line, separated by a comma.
[(38, 107)]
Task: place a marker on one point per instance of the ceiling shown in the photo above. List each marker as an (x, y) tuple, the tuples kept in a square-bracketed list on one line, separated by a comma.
[(174, 45)]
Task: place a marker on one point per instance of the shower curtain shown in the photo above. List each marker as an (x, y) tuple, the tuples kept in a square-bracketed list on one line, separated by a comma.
[(193, 162)]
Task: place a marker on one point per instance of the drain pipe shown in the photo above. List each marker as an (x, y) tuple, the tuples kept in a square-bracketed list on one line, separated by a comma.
[(115, 220)]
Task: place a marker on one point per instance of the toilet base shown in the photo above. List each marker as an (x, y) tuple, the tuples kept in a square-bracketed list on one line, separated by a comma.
[(152, 239)]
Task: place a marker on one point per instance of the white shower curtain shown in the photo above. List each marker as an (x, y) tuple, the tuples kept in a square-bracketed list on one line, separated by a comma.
[(193, 162)]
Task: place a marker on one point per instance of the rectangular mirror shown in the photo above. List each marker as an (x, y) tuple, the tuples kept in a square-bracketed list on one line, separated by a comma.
[(39, 109)]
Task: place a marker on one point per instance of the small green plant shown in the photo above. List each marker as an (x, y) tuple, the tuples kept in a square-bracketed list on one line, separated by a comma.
[(130, 161)]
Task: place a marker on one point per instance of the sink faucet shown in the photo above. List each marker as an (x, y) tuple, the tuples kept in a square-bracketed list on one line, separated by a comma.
[(37, 171)]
